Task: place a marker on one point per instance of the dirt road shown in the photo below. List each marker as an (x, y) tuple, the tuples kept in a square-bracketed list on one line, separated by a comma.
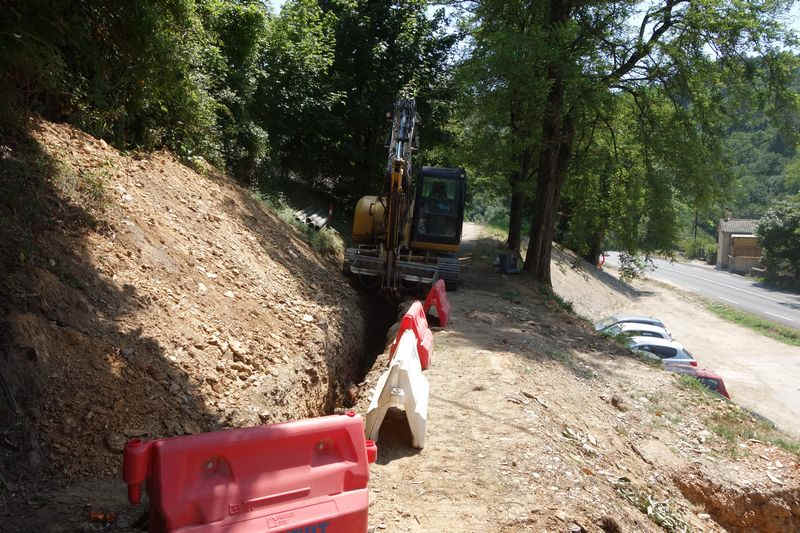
[(761, 374), (536, 424)]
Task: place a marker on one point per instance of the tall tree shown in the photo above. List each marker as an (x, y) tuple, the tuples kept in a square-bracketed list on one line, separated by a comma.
[(779, 234), (592, 49), (331, 125), (504, 99)]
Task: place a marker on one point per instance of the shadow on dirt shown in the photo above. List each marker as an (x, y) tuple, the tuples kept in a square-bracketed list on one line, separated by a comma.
[(77, 376), (528, 319), (395, 438), (564, 259)]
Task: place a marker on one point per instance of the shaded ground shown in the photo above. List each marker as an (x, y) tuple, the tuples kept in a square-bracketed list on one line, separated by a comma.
[(537, 424), (141, 298)]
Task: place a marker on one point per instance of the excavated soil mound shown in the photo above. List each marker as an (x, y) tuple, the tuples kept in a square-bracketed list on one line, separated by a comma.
[(143, 299), (740, 506)]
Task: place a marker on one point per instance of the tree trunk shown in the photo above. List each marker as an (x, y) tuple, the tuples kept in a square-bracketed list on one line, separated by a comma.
[(515, 216), (595, 249), (558, 130)]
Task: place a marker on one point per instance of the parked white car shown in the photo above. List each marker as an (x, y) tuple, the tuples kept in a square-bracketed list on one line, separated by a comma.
[(636, 319), (635, 329), (664, 350)]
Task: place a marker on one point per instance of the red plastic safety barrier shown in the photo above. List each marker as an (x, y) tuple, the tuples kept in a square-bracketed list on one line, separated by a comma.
[(438, 297), (298, 477), (415, 320)]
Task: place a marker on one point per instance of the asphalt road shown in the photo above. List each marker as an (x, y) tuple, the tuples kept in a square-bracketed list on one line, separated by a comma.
[(737, 291)]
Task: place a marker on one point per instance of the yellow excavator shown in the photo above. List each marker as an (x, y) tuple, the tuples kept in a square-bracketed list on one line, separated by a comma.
[(408, 237)]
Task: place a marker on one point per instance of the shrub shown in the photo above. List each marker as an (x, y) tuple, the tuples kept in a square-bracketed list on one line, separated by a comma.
[(779, 235), (327, 241)]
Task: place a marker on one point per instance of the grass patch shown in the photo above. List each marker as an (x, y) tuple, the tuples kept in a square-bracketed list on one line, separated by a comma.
[(660, 512), (86, 188), (736, 424), (554, 300), (783, 334), (692, 383), (327, 241)]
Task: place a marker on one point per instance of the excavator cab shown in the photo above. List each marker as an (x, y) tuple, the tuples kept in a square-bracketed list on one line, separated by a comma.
[(439, 209)]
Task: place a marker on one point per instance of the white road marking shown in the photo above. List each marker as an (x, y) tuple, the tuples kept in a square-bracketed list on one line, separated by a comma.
[(734, 287), (780, 316), (729, 286)]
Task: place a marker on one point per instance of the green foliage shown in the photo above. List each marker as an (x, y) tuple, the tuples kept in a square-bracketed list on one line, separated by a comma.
[(779, 235), (327, 241), (294, 97), (339, 66), (632, 266), (134, 73), (302, 93), (649, 106), (734, 423), (500, 105), (703, 247)]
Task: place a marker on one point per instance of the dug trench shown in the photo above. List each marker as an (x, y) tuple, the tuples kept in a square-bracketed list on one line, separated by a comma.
[(145, 299)]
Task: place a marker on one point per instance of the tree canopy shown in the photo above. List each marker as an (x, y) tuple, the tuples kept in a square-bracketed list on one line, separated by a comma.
[(303, 92), (591, 122), (779, 234), (627, 121)]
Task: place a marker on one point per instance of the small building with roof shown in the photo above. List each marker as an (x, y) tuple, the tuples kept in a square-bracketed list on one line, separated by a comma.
[(737, 245)]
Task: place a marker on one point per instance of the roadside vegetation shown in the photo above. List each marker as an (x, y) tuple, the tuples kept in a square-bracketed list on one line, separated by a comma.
[(737, 424), (779, 235), (766, 327)]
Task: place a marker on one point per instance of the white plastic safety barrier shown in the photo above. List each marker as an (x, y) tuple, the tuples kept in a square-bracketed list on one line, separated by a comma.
[(403, 386)]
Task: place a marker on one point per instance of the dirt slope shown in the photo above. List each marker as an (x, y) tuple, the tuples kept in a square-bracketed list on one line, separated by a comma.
[(142, 298), (537, 424)]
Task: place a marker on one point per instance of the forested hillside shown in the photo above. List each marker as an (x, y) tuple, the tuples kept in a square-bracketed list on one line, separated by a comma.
[(305, 91), (764, 160), (619, 124)]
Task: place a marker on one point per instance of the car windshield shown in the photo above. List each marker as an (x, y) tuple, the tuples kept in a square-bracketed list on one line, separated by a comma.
[(603, 324), (613, 330)]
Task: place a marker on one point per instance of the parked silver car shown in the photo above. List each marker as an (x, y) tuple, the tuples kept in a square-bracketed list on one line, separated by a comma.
[(636, 319), (664, 350), (636, 329)]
